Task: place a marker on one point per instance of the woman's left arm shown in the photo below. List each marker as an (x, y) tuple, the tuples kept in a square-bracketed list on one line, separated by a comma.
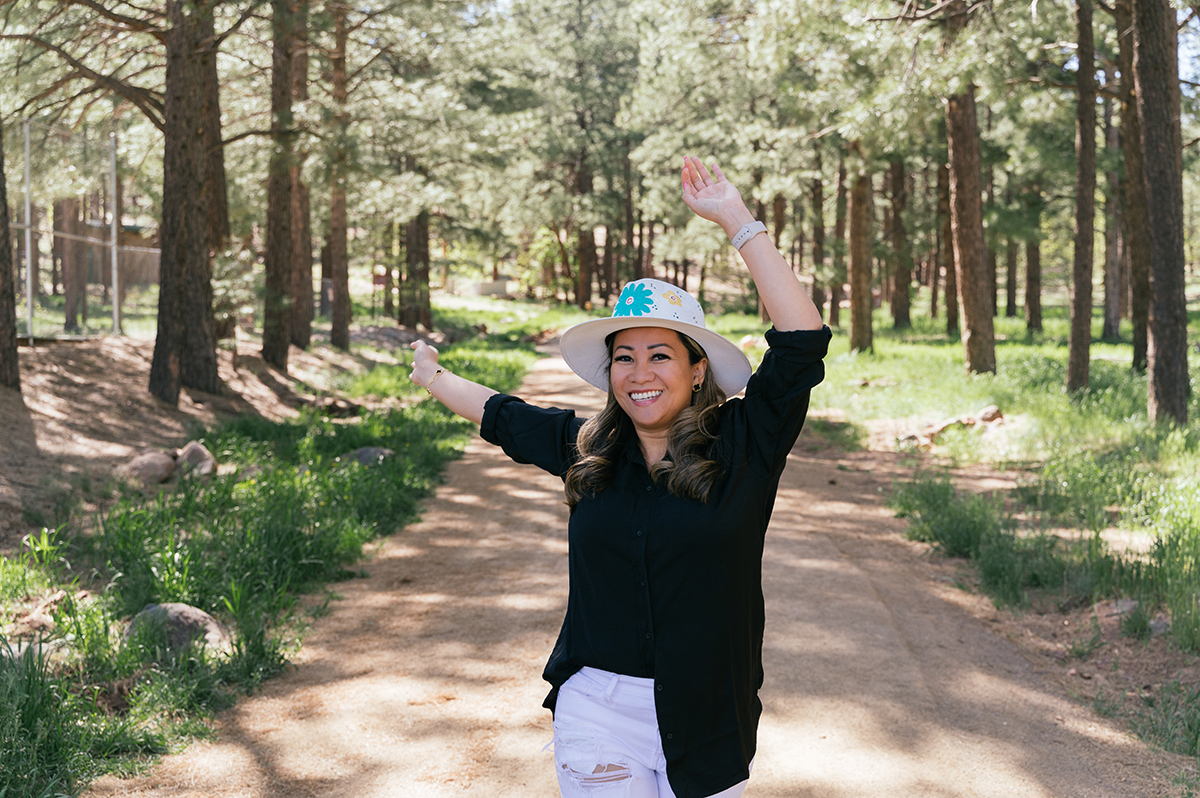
[(714, 198)]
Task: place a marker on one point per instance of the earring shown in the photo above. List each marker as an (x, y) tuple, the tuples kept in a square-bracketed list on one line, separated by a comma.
[(696, 388)]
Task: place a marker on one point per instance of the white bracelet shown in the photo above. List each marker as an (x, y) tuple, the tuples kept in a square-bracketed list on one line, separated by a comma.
[(748, 232)]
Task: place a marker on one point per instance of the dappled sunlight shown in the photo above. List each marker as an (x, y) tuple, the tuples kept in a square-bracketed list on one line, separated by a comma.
[(424, 680)]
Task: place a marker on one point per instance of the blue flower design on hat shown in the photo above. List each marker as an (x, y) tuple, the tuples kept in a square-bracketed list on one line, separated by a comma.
[(635, 300)]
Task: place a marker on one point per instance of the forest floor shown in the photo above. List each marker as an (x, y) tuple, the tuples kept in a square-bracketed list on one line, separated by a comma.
[(887, 673)]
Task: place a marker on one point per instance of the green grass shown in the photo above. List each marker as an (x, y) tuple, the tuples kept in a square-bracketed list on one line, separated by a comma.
[(138, 314), (295, 514)]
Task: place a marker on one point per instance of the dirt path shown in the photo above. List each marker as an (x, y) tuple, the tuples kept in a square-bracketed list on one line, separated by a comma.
[(425, 678)]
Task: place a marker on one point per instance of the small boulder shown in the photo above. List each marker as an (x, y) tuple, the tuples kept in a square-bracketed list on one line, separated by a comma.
[(990, 413), (182, 623), (335, 406), (150, 468), (196, 459), (366, 456)]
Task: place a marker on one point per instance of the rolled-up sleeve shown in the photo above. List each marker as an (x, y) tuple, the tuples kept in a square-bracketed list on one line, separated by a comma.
[(776, 401), (543, 436)]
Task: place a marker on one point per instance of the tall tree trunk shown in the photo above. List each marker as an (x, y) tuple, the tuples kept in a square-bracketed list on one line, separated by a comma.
[(35, 254), (635, 271), (941, 202), (966, 215), (216, 196), (73, 266), (1112, 220), (861, 303), (302, 247), (1156, 74), (417, 310), (901, 311), (647, 260), (184, 343), (778, 219), (1137, 214), (607, 264), (389, 253), (277, 309), (1033, 265), (339, 333), (1080, 341), (818, 239), (10, 365), (1010, 278), (585, 243), (839, 246), (949, 261)]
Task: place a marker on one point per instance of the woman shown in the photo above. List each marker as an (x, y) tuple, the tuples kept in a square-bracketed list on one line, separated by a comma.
[(656, 671)]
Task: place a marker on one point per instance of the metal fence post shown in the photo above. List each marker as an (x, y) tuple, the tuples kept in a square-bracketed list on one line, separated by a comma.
[(116, 226), (28, 243)]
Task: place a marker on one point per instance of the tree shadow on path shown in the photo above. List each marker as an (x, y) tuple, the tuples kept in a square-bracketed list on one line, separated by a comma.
[(424, 680)]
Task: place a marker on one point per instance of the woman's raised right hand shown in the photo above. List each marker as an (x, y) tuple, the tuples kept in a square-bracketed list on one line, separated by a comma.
[(425, 363)]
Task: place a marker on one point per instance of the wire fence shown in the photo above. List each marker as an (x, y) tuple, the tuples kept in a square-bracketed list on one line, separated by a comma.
[(81, 265)]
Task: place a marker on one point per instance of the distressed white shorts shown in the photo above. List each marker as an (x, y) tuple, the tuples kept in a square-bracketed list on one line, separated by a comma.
[(606, 740)]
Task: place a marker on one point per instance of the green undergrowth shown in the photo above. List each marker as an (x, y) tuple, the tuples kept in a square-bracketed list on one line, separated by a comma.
[(288, 513)]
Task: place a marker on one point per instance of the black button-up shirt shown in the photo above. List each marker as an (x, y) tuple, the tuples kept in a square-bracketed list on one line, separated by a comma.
[(671, 588)]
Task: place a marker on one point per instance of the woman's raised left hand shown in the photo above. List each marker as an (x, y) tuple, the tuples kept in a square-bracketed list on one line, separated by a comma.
[(712, 196)]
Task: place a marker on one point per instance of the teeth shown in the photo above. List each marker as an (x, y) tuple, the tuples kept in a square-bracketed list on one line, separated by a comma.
[(638, 397)]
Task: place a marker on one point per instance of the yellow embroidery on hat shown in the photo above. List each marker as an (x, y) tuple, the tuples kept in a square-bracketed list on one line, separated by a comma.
[(673, 298)]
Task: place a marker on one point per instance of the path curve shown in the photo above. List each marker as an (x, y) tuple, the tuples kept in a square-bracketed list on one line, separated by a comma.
[(424, 680)]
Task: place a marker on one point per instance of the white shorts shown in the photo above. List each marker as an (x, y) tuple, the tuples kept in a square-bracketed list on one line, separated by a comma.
[(606, 740)]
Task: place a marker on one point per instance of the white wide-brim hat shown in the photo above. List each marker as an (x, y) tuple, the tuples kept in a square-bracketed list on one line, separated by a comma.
[(653, 303)]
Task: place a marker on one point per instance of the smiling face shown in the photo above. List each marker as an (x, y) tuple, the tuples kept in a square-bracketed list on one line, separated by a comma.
[(652, 377)]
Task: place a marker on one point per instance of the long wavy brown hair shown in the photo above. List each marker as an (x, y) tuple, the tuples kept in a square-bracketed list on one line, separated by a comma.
[(689, 469)]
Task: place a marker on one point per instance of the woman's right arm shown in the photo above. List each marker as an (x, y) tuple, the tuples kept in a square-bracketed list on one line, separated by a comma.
[(462, 396)]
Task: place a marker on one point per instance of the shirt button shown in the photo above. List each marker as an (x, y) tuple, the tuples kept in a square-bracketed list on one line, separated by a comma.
[(643, 583), (658, 687), (639, 533), (670, 736), (649, 488), (647, 635)]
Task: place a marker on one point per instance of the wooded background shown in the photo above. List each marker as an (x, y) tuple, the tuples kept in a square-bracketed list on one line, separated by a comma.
[(969, 150)]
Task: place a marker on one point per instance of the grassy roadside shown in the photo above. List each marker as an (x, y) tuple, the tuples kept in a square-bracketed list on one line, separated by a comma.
[(1091, 469), (288, 515)]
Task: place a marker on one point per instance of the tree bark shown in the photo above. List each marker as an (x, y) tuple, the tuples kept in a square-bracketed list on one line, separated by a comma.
[(73, 267), (1137, 219), (966, 219), (339, 334), (1156, 75), (184, 342), (818, 238), (418, 310), (216, 192), (901, 310), (585, 242), (1033, 266), (277, 309), (860, 265), (1080, 340), (949, 261), (302, 259), (1112, 221), (839, 246), (10, 364), (1010, 278)]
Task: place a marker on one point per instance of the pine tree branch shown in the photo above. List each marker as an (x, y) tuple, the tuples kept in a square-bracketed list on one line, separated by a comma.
[(143, 99), (132, 24), (928, 13), (241, 20)]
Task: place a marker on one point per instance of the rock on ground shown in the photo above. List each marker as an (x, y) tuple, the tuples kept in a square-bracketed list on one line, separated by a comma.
[(183, 624)]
